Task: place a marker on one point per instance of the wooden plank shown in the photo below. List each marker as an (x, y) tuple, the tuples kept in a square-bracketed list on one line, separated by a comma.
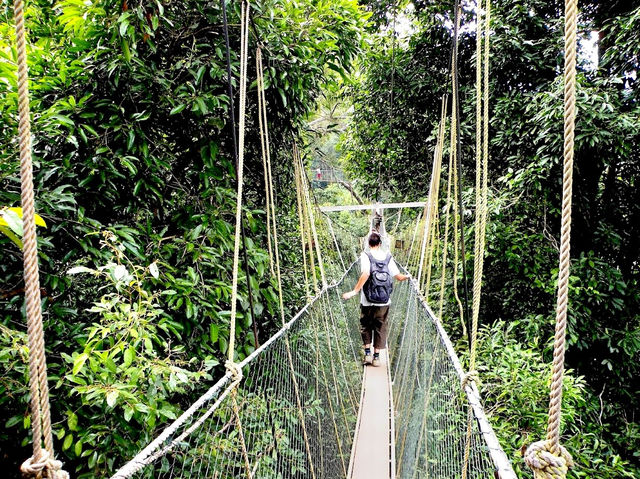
[(371, 456), (383, 206)]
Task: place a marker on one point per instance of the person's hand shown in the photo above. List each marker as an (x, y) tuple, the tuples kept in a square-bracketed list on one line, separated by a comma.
[(349, 295)]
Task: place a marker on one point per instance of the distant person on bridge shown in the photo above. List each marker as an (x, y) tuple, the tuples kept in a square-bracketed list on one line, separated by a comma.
[(377, 270)]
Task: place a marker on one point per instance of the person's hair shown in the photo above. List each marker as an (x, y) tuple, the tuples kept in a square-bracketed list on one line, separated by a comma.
[(374, 239)]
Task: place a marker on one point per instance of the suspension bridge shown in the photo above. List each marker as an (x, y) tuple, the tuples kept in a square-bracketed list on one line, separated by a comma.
[(302, 405)]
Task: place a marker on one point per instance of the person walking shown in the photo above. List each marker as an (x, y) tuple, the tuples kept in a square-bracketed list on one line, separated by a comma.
[(377, 271)]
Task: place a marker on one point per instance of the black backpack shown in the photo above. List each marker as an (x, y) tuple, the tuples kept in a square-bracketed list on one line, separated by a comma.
[(379, 286)]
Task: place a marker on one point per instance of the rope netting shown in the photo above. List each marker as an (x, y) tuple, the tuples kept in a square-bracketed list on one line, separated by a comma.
[(265, 438), (430, 404), (205, 441)]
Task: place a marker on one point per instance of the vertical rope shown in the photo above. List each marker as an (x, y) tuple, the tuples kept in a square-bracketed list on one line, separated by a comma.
[(482, 154), (432, 202), (266, 156), (230, 364), (301, 226), (335, 241), (549, 459), (306, 217), (312, 223), (41, 464), (234, 136), (447, 213), (244, 45), (266, 152), (454, 141)]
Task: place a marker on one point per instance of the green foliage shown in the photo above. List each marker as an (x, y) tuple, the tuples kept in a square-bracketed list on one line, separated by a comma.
[(133, 139), (515, 377), (126, 372)]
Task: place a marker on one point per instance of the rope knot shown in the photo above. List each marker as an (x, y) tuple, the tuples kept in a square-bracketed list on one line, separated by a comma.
[(234, 370), (546, 464), (52, 468), (469, 377)]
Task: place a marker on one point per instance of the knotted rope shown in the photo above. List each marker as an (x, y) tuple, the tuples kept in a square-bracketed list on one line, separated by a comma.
[(46, 466), (469, 377), (41, 464), (548, 459), (235, 371)]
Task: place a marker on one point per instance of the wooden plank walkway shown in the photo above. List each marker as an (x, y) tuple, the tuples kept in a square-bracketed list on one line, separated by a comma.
[(372, 455)]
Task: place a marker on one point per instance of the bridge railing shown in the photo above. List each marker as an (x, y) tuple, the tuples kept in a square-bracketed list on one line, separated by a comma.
[(292, 415), (432, 407)]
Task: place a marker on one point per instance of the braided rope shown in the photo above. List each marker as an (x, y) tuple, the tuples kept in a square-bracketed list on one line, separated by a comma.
[(482, 160), (266, 156), (42, 462), (230, 364), (46, 466), (432, 205), (548, 459), (266, 151), (244, 46), (456, 205), (312, 223), (301, 226), (335, 242), (307, 220)]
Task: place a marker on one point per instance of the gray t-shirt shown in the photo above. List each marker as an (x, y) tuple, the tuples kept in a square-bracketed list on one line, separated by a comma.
[(365, 267)]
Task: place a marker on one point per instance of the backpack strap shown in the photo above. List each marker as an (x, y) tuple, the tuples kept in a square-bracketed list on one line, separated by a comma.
[(371, 260)]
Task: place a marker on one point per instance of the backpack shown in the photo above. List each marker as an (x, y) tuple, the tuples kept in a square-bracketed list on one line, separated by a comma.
[(379, 286)]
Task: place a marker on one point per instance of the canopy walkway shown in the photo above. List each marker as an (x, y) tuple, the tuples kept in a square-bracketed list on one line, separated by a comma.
[(299, 406)]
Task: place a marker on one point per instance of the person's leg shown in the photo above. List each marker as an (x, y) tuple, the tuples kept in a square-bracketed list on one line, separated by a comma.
[(365, 331), (381, 327), (365, 325)]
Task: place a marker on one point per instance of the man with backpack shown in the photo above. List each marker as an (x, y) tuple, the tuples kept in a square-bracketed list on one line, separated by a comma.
[(377, 270)]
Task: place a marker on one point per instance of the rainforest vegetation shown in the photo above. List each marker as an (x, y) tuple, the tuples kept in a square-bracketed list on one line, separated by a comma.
[(135, 183)]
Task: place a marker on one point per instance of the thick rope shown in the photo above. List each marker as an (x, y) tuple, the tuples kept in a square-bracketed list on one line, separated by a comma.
[(234, 137), (307, 221), (302, 228), (230, 364), (42, 463), (548, 459), (432, 202), (446, 229), (435, 216), (456, 205), (266, 156), (482, 154), (312, 223), (244, 47), (335, 242), (266, 151)]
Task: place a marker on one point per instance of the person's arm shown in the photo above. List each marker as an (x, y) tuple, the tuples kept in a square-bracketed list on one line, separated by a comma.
[(395, 271), (363, 279)]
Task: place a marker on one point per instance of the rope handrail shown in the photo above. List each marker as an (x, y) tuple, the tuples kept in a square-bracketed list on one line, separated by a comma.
[(499, 457), (147, 455)]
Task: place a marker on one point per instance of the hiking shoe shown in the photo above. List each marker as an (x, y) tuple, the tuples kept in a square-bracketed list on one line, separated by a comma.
[(368, 358), (376, 361)]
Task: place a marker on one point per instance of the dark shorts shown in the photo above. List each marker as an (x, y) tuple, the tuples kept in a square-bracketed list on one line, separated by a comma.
[(374, 318)]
